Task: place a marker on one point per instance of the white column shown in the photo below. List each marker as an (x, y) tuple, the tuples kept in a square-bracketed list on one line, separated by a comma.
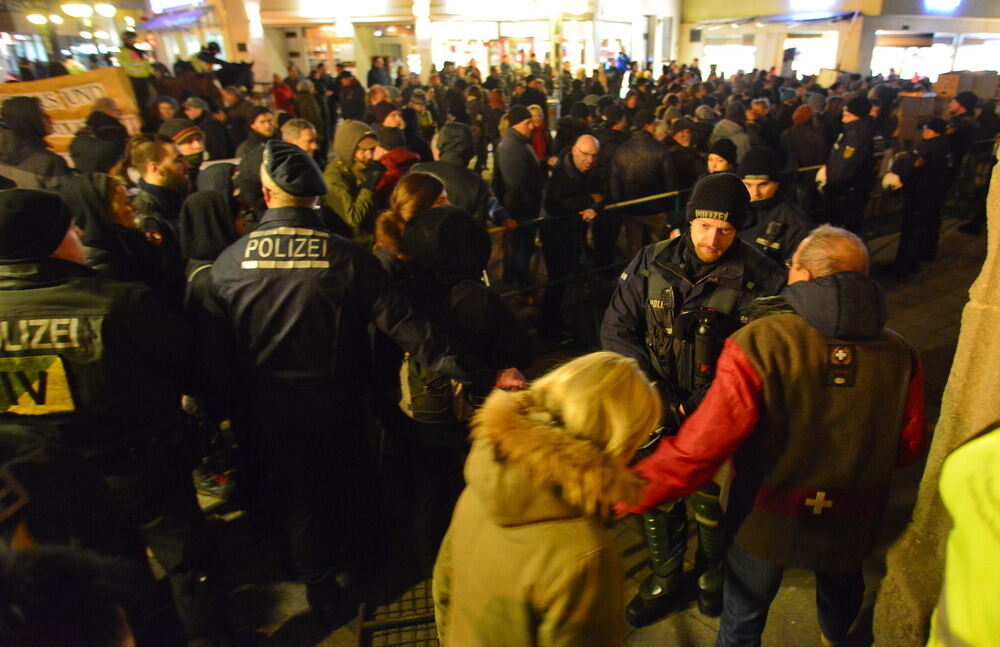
[(422, 31)]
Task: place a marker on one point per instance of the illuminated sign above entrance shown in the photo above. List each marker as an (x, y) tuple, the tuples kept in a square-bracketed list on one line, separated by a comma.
[(941, 6)]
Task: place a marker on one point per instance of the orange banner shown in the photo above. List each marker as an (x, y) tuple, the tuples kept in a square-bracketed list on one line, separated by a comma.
[(69, 100)]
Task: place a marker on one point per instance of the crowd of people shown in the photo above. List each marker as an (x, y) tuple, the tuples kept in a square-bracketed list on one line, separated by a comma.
[(266, 294)]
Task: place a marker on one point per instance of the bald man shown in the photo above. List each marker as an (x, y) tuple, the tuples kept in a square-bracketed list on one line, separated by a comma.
[(571, 201), (814, 400)]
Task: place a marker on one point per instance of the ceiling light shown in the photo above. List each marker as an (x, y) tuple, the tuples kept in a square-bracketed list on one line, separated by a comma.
[(86, 34), (102, 34), (56, 19), (105, 9), (77, 10), (36, 19), (130, 21)]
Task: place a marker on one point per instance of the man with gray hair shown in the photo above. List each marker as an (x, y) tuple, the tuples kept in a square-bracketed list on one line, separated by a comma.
[(814, 400), (302, 133)]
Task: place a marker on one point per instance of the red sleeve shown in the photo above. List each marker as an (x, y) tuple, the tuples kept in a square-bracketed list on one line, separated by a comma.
[(684, 463), (913, 435)]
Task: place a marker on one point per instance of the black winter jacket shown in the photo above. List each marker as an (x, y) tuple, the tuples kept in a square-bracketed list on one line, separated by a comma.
[(776, 227), (852, 165), (569, 190), (641, 167)]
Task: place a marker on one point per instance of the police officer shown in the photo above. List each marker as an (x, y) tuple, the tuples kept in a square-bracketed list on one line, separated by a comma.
[(206, 57), (674, 305), (852, 168), (297, 301), (919, 173), (96, 365), (776, 225), (138, 69), (961, 130)]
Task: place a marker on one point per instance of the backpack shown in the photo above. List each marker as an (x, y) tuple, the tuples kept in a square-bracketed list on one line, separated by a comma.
[(432, 398)]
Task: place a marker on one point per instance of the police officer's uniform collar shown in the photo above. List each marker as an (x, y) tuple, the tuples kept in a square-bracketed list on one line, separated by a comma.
[(297, 215), (43, 269), (726, 270)]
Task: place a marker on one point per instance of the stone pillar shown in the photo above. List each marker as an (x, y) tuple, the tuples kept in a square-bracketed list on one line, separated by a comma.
[(422, 31), (915, 562)]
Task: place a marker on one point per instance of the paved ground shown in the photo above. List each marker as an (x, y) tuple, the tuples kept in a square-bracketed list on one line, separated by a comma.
[(925, 309)]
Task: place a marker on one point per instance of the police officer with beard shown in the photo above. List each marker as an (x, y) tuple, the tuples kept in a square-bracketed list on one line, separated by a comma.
[(674, 305), (296, 302), (776, 225), (96, 366)]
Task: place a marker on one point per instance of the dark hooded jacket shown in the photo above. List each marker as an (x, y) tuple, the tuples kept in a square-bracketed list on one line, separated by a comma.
[(91, 154), (106, 127), (642, 166), (466, 188), (115, 251), (217, 143), (157, 212), (24, 156), (448, 252), (415, 140)]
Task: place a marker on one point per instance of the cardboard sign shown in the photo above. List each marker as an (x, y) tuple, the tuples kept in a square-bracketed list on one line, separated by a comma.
[(69, 99)]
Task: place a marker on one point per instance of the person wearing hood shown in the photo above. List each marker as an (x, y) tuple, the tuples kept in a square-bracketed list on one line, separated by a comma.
[(852, 167), (674, 305), (776, 225), (816, 372), (351, 176), (732, 127), (261, 130), (415, 140), (453, 150), (216, 136), (164, 183), (104, 123), (25, 158), (527, 559), (704, 123), (392, 153)]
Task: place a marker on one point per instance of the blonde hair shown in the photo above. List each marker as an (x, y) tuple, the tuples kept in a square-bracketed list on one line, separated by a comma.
[(603, 397)]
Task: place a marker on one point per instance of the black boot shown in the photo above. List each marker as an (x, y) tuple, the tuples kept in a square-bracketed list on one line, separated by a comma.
[(660, 593), (331, 601), (711, 549)]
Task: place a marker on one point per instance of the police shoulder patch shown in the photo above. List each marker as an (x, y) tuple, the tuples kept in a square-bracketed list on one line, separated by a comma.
[(841, 365)]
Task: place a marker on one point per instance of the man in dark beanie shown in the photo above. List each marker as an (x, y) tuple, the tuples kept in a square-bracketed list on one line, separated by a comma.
[(961, 132), (302, 300), (190, 140), (217, 144), (675, 304), (519, 182), (775, 225), (852, 167), (100, 366)]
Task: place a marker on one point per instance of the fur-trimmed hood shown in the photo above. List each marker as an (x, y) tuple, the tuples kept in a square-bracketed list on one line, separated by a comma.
[(526, 469)]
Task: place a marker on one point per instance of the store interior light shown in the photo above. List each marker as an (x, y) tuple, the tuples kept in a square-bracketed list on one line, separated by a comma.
[(378, 32), (86, 34), (77, 10), (36, 19), (56, 19), (105, 9), (102, 35), (130, 21)]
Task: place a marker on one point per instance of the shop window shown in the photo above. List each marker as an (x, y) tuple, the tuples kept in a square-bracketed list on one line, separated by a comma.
[(910, 55), (813, 52), (729, 58), (978, 52)]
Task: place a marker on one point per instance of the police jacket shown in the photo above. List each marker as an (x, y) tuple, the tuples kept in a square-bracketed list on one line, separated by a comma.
[(521, 180), (642, 166), (298, 300), (852, 165), (157, 210), (923, 169), (627, 328), (86, 361), (776, 227)]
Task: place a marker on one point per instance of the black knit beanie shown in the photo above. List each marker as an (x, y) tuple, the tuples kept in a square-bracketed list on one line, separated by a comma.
[(720, 196), (759, 163)]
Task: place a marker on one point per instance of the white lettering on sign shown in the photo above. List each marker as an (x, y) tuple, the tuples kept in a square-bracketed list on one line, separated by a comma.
[(50, 100), (82, 95)]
